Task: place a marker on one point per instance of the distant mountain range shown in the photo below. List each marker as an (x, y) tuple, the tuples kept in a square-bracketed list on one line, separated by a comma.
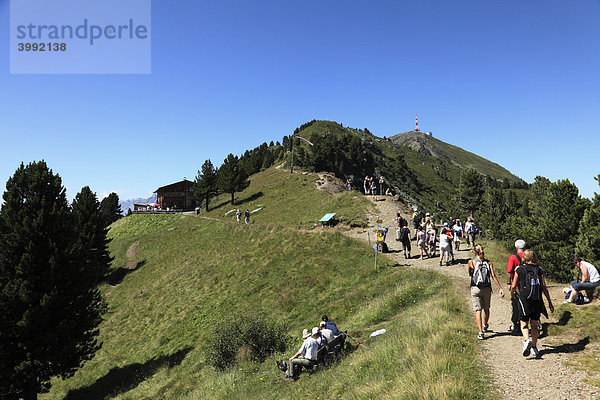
[(128, 204)]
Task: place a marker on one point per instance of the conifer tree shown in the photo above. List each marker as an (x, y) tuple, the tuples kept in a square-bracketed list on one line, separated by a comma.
[(588, 240), (205, 184), (495, 213), (231, 177), (558, 217), (110, 208), (91, 232), (470, 190), (50, 306)]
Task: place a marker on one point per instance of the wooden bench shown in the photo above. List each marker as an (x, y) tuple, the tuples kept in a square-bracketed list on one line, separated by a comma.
[(329, 353)]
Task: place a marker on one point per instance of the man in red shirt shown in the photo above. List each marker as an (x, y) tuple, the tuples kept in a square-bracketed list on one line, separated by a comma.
[(513, 262)]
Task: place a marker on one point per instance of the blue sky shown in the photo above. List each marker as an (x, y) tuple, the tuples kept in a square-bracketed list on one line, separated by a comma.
[(516, 82)]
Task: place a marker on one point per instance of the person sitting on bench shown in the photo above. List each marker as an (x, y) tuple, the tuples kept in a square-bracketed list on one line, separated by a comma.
[(331, 326), (326, 333), (321, 340), (305, 357)]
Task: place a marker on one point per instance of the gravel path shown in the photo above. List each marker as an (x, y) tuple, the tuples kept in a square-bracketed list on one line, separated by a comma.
[(516, 376)]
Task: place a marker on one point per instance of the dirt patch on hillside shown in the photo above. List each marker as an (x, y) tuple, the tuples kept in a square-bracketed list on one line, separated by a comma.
[(131, 256), (330, 184)]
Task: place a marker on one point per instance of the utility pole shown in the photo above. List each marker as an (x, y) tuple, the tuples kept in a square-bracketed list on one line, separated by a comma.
[(292, 160)]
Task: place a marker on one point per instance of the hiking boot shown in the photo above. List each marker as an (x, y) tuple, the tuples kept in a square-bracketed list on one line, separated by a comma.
[(511, 328), (535, 352), (527, 347), (485, 328), (480, 336)]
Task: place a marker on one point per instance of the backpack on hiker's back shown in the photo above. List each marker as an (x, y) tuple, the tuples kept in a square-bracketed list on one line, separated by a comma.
[(533, 287), (404, 234), (481, 273)]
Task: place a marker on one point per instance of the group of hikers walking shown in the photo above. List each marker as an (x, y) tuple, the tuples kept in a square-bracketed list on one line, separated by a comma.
[(526, 283), (427, 237)]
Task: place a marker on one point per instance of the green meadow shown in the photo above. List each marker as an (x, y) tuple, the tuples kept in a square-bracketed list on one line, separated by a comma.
[(193, 272)]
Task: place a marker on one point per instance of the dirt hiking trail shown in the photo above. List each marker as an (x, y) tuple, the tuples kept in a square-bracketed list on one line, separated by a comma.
[(515, 376)]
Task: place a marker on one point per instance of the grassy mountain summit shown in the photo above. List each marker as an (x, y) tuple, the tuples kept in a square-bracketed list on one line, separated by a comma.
[(430, 146)]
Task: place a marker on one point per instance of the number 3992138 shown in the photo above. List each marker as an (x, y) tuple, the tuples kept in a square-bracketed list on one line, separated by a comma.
[(42, 46)]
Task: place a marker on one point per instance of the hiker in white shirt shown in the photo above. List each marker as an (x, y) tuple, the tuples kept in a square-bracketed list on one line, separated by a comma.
[(590, 279), (305, 357)]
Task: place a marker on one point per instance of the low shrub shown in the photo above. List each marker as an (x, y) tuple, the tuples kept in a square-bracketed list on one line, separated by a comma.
[(242, 336)]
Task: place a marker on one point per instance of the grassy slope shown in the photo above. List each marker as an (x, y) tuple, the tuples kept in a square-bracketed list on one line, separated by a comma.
[(457, 155), (197, 270), (289, 200)]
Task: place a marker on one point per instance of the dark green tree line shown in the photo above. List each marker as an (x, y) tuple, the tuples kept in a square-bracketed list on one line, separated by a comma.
[(51, 308), (231, 177), (205, 184)]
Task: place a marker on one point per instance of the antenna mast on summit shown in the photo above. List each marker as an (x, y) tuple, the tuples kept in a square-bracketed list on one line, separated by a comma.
[(417, 124)]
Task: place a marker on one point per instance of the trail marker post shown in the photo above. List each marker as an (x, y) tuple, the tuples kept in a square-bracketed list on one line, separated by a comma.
[(378, 238)]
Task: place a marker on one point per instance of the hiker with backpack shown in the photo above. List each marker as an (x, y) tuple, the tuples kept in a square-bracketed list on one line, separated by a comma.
[(481, 271), (431, 238), (471, 233), (405, 240), (422, 241), (590, 279), (514, 260), (445, 244), (458, 230), (530, 279)]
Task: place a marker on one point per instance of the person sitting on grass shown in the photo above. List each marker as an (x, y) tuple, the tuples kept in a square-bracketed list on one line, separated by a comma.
[(530, 279), (590, 279), (305, 357), (481, 271)]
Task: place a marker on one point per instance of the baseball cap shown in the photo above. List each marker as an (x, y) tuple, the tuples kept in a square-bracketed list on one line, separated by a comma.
[(520, 244)]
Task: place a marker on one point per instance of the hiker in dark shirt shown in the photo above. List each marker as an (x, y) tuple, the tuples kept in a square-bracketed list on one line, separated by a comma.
[(530, 279), (331, 326)]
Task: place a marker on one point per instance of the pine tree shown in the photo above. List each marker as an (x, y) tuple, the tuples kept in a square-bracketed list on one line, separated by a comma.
[(110, 208), (91, 232), (50, 306), (470, 190), (560, 212), (588, 240), (205, 184), (231, 177), (495, 213)]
